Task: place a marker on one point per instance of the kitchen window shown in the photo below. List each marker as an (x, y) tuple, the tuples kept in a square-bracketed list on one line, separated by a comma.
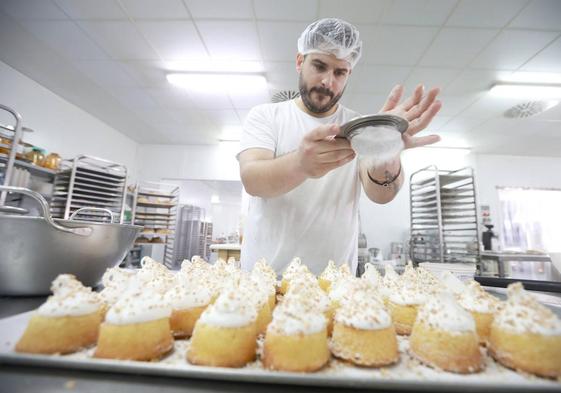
[(530, 219)]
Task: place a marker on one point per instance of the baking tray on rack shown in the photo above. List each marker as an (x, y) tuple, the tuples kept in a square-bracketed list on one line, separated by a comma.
[(78, 179), (94, 176), (86, 190), (408, 374), (105, 172), (85, 203), (63, 195), (158, 205)]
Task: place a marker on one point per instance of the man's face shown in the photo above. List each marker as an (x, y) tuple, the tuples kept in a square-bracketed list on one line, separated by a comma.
[(322, 80)]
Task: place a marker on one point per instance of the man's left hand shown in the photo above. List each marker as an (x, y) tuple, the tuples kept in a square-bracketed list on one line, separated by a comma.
[(419, 109)]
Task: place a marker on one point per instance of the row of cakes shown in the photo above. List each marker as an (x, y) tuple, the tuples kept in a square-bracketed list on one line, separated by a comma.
[(223, 310)]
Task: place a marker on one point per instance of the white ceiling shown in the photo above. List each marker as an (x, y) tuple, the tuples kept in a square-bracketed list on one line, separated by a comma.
[(110, 58)]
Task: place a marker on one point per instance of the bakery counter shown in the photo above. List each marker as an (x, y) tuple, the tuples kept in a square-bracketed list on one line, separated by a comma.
[(226, 251)]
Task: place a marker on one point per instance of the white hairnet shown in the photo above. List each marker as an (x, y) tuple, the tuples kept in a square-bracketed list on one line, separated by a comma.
[(332, 36)]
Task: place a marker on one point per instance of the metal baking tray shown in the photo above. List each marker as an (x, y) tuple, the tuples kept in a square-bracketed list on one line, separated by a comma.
[(408, 374), (94, 190), (79, 179), (94, 176), (63, 195), (105, 172), (158, 205)]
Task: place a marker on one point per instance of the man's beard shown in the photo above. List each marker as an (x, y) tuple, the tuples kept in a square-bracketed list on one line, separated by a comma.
[(305, 95)]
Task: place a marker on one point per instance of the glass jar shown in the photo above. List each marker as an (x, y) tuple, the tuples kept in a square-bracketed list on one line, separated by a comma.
[(36, 156), (52, 161)]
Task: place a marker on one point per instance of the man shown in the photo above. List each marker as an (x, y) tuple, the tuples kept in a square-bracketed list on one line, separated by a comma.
[(304, 183)]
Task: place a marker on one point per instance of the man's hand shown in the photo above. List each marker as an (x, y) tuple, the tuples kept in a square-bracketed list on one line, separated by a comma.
[(320, 152), (418, 109)]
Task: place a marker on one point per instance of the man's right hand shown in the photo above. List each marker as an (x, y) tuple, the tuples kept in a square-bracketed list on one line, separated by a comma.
[(320, 152)]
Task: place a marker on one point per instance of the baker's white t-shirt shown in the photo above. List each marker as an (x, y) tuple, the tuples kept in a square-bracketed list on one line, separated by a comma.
[(316, 221)]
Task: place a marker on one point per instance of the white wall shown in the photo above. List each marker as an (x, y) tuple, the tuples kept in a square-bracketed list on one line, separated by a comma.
[(61, 126), (202, 162)]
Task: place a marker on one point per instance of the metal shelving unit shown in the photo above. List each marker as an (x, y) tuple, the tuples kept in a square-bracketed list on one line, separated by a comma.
[(87, 182), (444, 216), (14, 134), (155, 208), (194, 234)]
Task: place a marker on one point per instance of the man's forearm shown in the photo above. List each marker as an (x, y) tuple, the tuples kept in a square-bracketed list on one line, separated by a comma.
[(272, 177), (382, 173)]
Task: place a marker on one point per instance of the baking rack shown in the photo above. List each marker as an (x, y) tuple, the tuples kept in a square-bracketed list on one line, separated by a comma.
[(87, 182), (155, 208), (443, 216)]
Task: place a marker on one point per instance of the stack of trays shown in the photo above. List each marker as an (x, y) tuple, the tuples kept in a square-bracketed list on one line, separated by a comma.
[(89, 182), (155, 208)]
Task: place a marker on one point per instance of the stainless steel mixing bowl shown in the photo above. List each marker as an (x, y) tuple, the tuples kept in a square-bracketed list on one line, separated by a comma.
[(34, 250)]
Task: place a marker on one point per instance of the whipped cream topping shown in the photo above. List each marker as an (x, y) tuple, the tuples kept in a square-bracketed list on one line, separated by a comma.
[(442, 312), (253, 289), (343, 286), (309, 292), (344, 270), (195, 293), (195, 267), (372, 275), (451, 283), (138, 306), (294, 315), (265, 283), (407, 292), (153, 276), (364, 310), (429, 281), (265, 271), (330, 273), (115, 282), (524, 314), (295, 268), (474, 298), (70, 298), (389, 282), (231, 309)]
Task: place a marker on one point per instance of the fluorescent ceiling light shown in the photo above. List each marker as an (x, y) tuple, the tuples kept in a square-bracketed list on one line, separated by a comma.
[(215, 199), (526, 91), (212, 83), (230, 134), (218, 66), (532, 77)]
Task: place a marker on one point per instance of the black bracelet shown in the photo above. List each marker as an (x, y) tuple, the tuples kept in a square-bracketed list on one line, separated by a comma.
[(387, 182)]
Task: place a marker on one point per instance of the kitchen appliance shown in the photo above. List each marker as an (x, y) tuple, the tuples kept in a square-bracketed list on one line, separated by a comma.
[(487, 237), (444, 224), (34, 250)]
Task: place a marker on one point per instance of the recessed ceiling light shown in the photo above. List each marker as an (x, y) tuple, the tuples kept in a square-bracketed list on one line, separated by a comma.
[(212, 82), (526, 91)]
